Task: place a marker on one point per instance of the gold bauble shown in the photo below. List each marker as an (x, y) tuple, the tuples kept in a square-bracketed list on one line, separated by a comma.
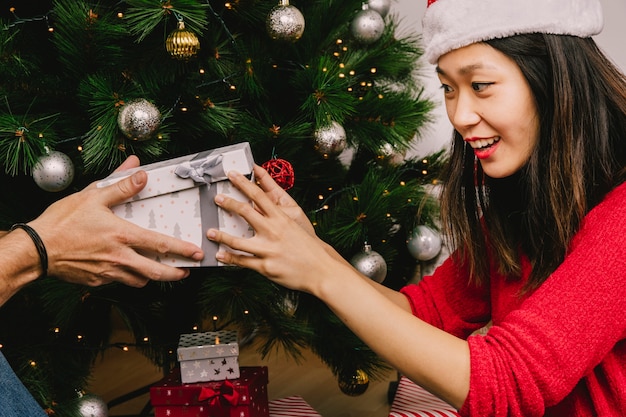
[(354, 384), (182, 44)]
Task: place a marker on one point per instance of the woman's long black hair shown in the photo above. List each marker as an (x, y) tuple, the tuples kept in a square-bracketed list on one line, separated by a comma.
[(580, 156)]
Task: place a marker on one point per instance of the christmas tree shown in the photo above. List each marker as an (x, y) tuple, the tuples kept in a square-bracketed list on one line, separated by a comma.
[(324, 91)]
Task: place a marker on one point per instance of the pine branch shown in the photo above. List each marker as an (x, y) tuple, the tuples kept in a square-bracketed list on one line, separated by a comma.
[(144, 16)]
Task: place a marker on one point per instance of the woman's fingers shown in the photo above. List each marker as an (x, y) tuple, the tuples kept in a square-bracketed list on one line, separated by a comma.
[(253, 192)]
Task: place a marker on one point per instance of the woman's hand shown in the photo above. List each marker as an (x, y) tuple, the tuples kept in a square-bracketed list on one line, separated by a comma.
[(284, 247), (88, 244), (279, 197)]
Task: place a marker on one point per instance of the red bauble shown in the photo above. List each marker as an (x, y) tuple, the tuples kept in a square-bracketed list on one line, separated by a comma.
[(282, 172)]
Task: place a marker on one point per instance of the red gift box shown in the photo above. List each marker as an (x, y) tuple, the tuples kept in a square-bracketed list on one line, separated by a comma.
[(411, 400), (294, 406), (245, 396)]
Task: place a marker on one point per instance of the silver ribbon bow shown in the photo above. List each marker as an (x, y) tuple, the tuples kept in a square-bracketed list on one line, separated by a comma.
[(207, 170)]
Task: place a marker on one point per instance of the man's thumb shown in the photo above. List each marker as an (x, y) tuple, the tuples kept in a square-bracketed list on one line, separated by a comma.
[(127, 188)]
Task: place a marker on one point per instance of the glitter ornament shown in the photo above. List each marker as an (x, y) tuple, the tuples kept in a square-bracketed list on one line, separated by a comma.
[(424, 244), (90, 405), (139, 119), (182, 43), (380, 6), (367, 26), (53, 171), (388, 154), (331, 139), (281, 171), (354, 384), (285, 22), (290, 303), (370, 263)]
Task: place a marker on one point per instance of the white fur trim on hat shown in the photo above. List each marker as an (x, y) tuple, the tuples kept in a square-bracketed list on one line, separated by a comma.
[(452, 24)]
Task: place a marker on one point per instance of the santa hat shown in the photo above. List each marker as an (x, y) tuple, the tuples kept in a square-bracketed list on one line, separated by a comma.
[(451, 24)]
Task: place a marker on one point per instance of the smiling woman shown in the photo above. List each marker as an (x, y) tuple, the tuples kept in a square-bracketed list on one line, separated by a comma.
[(610, 40), (490, 104)]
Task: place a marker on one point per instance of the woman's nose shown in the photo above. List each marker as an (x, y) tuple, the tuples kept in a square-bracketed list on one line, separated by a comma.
[(463, 112)]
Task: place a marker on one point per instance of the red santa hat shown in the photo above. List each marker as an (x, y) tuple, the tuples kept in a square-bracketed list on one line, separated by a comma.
[(452, 24)]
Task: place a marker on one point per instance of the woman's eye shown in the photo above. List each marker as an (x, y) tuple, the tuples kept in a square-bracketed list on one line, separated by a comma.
[(446, 88), (480, 86)]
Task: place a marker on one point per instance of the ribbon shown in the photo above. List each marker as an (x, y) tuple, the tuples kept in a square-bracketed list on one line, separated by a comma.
[(224, 395), (205, 170)]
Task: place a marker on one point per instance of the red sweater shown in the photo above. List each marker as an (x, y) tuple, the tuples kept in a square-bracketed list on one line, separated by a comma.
[(558, 351)]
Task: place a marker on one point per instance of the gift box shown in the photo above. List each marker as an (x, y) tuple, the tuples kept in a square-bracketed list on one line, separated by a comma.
[(245, 396), (294, 406), (208, 356), (411, 400), (178, 199)]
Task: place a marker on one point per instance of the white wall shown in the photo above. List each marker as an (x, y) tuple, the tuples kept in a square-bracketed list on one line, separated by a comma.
[(437, 135)]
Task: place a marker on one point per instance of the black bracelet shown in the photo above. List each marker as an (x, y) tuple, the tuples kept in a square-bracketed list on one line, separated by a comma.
[(41, 249)]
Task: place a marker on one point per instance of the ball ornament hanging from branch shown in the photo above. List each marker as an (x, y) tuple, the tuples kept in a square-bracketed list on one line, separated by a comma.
[(285, 22), (367, 26), (370, 263), (281, 171), (389, 154), (182, 43), (424, 244), (331, 139), (90, 405), (354, 384), (380, 6), (53, 171), (139, 119)]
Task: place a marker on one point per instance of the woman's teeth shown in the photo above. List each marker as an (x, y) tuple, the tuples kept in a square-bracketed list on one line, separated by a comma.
[(483, 143)]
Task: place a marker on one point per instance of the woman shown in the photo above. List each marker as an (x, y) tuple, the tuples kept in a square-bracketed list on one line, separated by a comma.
[(534, 203)]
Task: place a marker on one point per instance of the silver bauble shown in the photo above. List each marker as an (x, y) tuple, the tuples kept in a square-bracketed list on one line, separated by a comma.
[(380, 6), (285, 22), (390, 154), (370, 263), (331, 139), (90, 405), (290, 303), (139, 119), (424, 244), (53, 171), (367, 26)]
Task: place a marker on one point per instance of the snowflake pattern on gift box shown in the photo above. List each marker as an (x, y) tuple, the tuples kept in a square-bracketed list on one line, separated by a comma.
[(208, 356)]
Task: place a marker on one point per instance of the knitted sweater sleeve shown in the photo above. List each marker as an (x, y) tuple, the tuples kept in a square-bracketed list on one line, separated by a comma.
[(448, 301), (559, 335)]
